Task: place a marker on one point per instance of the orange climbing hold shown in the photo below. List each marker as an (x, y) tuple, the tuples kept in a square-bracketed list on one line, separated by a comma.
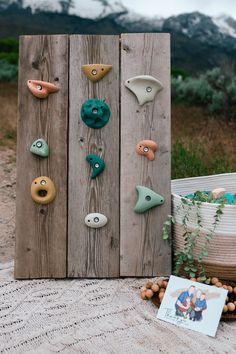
[(43, 190), (147, 148), (41, 89)]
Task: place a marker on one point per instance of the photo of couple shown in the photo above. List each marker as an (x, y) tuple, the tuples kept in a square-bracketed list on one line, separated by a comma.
[(191, 303)]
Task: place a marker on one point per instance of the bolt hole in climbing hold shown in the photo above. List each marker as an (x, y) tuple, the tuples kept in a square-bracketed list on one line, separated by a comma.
[(96, 165), (42, 193), (42, 211), (148, 198), (95, 110), (96, 219), (43, 182), (149, 89), (56, 79), (39, 87), (145, 149)]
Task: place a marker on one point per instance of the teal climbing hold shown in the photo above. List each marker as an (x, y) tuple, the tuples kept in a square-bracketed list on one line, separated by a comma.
[(40, 148), (147, 199), (98, 165), (95, 113)]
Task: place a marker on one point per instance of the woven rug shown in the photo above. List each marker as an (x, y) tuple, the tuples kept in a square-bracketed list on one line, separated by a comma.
[(92, 316)]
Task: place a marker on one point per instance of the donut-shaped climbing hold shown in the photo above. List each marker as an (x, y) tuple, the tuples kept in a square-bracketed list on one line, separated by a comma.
[(95, 113), (43, 190), (41, 89), (96, 72), (147, 148)]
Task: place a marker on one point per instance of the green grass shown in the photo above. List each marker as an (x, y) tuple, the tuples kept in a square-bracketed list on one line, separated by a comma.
[(195, 161)]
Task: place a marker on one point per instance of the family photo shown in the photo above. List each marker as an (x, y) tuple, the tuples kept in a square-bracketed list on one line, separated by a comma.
[(191, 303)]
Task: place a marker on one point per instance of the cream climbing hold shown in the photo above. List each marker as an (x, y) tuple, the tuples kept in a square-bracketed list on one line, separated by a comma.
[(41, 89), (218, 192), (96, 72), (40, 148), (43, 190), (147, 148), (95, 220), (144, 87), (147, 199)]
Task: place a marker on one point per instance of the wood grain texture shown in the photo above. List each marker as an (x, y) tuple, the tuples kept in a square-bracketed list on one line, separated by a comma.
[(143, 252), (41, 231), (93, 252)]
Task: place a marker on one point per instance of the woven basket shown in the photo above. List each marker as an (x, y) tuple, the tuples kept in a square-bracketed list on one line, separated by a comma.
[(221, 259)]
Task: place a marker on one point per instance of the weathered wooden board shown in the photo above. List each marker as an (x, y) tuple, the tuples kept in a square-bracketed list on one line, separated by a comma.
[(143, 252), (41, 231), (93, 252)]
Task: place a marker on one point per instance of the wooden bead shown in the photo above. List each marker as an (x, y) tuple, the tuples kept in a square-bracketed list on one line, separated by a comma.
[(225, 287), (218, 284), (155, 288), (162, 290), (231, 306), (227, 299), (160, 283), (235, 303), (149, 293), (214, 280), (199, 280), (149, 285), (234, 290), (225, 308), (230, 289), (143, 295), (161, 295), (143, 288), (165, 283)]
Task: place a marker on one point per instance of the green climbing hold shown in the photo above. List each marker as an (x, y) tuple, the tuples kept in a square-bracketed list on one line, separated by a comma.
[(95, 113), (98, 165), (40, 148), (147, 199)]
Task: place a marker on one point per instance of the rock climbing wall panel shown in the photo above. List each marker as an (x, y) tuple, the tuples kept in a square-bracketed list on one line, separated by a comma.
[(142, 250), (93, 156)]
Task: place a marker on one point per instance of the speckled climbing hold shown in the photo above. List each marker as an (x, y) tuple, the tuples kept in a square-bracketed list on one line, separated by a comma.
[(147, 199), (95, 220), (96, 72), (95, 113), (147, 148), (40, 148), (41, 89), (98, 165), (144, 87), (43, 190)]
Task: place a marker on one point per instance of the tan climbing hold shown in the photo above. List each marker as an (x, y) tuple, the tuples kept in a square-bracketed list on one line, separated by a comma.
[(147, 148), (41, 89), (96, 72), (218, 192), (43, 190)]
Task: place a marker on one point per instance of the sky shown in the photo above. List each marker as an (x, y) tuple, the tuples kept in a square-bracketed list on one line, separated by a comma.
[(166, 8)]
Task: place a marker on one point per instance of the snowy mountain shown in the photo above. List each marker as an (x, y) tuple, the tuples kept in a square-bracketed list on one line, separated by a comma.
[(199, 41)]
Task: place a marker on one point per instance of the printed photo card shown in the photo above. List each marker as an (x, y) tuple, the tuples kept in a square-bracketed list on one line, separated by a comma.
[(192, 305)]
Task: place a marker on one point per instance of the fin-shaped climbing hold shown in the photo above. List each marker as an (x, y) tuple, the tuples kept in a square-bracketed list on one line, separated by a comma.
[(40, 148), (98, 165), (41, 89), (43, 190), (96, 72), (95, 113), (144, 87), (147, 199), (95, 220), (147, 148)]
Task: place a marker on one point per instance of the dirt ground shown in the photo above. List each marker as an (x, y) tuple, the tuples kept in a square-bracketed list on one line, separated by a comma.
[(7, 204)]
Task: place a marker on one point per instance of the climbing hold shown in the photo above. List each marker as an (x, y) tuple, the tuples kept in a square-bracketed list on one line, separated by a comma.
[(147, 148), (41, 89), (43, 190), (145, 87), (147, 199), (96, 72), (40, 148), (95, 220), (98, 165), (218, 192), (95, 113)]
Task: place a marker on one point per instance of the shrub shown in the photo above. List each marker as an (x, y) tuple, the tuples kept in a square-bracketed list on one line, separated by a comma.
[(8, 71)]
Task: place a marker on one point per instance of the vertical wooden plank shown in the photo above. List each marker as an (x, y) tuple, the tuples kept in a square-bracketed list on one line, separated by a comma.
[(143, 252), (41, 231), (93, 252)]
